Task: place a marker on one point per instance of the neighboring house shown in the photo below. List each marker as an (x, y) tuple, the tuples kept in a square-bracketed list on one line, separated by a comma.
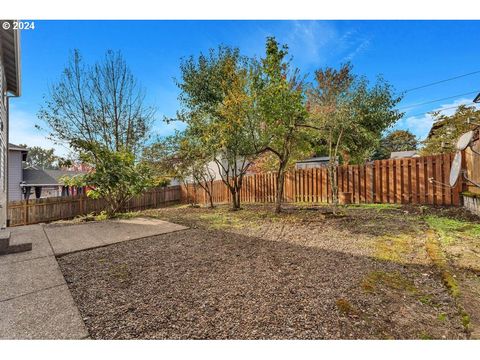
[(404, 154), (9, 86), (40, 183), (32, 182), (16, 157)]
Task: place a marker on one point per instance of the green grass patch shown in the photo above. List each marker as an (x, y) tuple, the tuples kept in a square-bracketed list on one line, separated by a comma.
[(442, 317), (220, 220), (377, 207), (450, 230)]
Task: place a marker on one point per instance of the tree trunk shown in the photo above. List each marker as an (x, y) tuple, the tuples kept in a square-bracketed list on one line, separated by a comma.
[(332, 172), (235, 197), (238, 199), (280, 183), (210, 196)]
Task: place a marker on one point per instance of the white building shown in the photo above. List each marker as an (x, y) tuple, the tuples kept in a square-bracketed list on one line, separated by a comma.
[(9, 87), (16, 156)]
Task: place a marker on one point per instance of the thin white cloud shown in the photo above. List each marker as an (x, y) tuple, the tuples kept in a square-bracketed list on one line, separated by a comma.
[(308, 40), (311, 43), (359, 48), (421, 125)]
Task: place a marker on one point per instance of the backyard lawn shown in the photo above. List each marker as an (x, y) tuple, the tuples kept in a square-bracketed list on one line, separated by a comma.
[(378, 272)]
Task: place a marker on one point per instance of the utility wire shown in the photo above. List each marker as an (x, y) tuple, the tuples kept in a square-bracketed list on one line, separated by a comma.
[(433, 101), (432, 111), (441, 81)]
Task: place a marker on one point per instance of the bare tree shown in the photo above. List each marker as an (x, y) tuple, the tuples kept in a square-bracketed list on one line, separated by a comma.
[(102, 103)]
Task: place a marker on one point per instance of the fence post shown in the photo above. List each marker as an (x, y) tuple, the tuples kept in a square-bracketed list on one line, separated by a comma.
[(26, 212), (82, 210)]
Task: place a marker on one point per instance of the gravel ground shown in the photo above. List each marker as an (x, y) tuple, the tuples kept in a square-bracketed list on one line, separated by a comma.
[(251, 275)]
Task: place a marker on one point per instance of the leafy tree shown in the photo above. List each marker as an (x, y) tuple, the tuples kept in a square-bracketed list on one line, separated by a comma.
[(280, 103), (349, 116), (180, 158), (44, 158), (447, 129), (117, 176), (398, 140), (217, 106), (100, 103)]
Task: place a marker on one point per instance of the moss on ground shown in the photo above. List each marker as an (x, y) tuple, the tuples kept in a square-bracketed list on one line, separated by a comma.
[(393, 280), (434, 250), (393, 248), (345, 307), (425, 336)]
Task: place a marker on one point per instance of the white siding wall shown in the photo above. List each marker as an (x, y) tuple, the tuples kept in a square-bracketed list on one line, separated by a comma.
[(14, 175), (3, 146)]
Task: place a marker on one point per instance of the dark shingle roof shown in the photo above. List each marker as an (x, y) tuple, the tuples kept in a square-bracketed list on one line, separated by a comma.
[(46, 177)]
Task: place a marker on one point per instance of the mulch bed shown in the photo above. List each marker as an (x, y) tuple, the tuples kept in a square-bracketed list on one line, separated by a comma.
[(214, 284)]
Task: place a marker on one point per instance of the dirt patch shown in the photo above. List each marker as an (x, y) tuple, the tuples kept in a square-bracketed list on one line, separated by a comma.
[(212, 284)]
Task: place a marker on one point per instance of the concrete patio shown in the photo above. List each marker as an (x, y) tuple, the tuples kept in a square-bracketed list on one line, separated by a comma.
[(35, 302)]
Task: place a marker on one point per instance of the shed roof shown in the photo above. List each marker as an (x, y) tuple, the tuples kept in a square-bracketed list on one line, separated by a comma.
[(403, 154), (14, 147), (314, 159)]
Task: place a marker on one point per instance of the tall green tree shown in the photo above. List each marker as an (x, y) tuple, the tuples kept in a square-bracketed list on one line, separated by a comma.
[(397, 140), (349, 116), (182, 157), (447, 129), (280, 102), (217, 106)]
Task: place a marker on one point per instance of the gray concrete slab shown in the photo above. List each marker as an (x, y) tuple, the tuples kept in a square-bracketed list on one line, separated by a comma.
[(23, 234), (24, 277), (47, 314), (69, 238), (35, 302)]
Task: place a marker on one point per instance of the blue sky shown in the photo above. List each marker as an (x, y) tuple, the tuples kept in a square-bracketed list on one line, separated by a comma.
[(407, 53)]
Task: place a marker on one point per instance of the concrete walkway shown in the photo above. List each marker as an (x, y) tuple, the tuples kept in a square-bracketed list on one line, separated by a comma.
[(70, 238), (35, 302)]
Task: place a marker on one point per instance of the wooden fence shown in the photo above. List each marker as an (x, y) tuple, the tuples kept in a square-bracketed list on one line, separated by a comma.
[(422, 180), (35, 211)]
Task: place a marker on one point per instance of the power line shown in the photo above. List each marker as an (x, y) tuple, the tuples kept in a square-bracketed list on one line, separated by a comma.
[(433, 101), (441, 81), (448, 108)]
